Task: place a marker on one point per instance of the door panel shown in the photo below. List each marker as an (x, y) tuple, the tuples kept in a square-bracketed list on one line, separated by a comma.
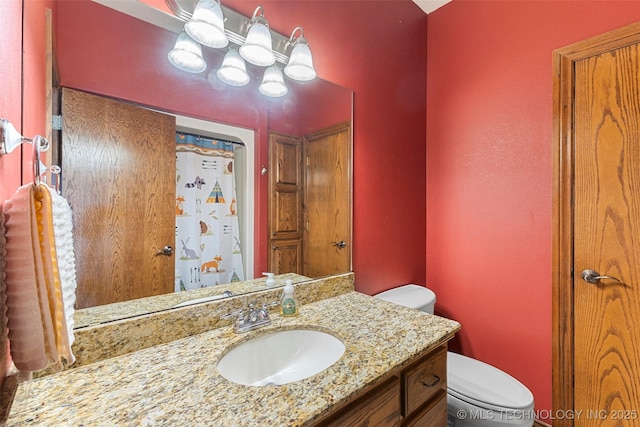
[(286, 255), (285, 204), (327, 243), (118, 162), (607, 236)]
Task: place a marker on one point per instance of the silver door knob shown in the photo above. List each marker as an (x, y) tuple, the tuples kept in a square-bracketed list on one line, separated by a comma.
[(341, 244), (593, 277), (167, 250)]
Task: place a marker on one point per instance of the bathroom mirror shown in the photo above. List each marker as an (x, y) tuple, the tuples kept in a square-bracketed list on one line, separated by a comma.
[(93, 40)]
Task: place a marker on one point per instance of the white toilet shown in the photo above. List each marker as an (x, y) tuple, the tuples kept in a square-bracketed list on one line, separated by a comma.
[(478, 394)]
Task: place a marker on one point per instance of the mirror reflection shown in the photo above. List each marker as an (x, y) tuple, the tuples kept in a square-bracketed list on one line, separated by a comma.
[(292, 171)]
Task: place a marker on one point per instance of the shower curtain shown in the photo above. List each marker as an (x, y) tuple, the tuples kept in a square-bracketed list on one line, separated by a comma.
[(207, 236)]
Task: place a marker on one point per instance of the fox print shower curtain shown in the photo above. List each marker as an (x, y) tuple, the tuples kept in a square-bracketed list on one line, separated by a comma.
[(208, 249)]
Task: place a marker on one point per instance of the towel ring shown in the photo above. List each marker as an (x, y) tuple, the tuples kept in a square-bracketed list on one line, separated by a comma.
[(10, 138), (39, 144)]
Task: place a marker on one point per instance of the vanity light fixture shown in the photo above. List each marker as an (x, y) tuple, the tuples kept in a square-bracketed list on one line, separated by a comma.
[(257, 48), (206, 25), (187, 55), (300, 65), (252, 41), (233, 70), (273, 82)]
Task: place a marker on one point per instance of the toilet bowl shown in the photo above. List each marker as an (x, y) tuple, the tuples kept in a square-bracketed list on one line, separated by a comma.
[(478, 394)]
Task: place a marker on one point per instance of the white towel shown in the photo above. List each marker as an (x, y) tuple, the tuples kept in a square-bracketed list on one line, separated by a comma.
[(63, 232), (49, 260)]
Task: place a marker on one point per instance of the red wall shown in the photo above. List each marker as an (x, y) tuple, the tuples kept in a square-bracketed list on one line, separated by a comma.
[(489, 130), (10, 84)]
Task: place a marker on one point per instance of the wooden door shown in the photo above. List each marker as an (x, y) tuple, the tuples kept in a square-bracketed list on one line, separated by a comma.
[(597, 227), (285, 204), (118, 164), (327, 241)]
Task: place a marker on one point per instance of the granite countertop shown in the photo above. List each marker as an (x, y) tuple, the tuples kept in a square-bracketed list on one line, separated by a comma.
[(178, 383)]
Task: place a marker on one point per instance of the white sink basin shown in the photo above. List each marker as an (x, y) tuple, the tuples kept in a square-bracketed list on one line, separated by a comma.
[(281, 357)]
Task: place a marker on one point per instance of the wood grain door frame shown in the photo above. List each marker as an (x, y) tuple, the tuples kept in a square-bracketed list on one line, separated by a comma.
[(564, 61)]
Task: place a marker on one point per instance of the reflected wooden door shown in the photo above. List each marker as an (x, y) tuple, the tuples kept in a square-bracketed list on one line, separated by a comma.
[(285, 204), (327, 195), (597, 320), (118, 164)]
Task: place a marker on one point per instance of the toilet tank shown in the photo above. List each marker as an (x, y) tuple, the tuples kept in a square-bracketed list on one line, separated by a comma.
[(412, 296)]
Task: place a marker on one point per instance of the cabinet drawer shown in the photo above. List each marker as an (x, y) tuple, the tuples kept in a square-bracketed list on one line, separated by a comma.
[(421, 381), (432, 415)]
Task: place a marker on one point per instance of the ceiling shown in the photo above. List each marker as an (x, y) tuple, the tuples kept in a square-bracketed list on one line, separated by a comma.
[(430, 5)]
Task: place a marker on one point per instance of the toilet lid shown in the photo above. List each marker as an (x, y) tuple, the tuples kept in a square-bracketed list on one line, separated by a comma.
[(412, 296), (484, 385)]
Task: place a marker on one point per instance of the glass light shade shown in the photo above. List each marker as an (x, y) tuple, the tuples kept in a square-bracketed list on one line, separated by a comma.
[(273, 83), (257, 48), (187, 55), (206, 25), (233, 70), (300, 66)]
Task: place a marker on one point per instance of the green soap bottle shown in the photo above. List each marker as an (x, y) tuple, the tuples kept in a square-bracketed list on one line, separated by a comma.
[(289, 306)]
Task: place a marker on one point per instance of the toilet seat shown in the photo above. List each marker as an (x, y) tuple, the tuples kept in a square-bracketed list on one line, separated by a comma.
[(485, 386)]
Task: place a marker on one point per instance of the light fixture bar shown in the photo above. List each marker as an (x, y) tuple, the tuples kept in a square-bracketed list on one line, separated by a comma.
[(236, 26)]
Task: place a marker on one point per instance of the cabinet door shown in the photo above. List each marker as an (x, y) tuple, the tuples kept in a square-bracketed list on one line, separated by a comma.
[(379, 407), (432, 415), (285, 187), (286, 256), (285, 204)]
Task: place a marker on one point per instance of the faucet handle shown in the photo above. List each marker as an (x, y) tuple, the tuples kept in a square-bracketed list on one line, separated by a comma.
[(238, 314), (264, 311), (253, 312), (270, 304)]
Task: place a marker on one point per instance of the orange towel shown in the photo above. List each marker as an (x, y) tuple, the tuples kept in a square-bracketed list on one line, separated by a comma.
[(46, 310), (44, 219)]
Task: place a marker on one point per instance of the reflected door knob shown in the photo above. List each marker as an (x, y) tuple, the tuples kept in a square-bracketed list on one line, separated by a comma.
[(341, 244), (593, 277), (167, 250)]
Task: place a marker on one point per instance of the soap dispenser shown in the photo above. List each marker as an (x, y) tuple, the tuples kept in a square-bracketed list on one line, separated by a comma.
[(289, 306), (270, 280)]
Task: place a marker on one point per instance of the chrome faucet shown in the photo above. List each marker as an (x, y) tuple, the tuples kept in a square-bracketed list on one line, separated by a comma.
[(252, 318)]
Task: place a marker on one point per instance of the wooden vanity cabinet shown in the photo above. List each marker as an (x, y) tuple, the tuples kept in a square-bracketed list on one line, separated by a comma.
[(415, 396), (377, 407)]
